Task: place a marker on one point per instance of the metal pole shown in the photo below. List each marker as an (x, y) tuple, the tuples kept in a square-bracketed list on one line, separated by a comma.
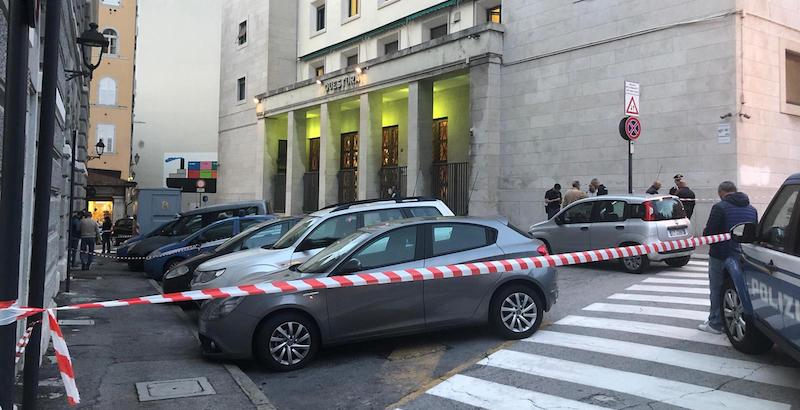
[(630, 167), (11, 186), (71, 254), (41, 210)]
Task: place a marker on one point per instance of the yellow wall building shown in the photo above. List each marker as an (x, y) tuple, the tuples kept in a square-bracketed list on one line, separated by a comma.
[(112, 87)]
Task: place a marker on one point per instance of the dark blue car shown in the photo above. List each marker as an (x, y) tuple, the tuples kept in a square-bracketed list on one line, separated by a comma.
[(761, 298), (162, 259)]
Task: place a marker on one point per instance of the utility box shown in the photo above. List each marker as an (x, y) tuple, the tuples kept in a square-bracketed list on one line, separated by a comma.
[(156, 206)]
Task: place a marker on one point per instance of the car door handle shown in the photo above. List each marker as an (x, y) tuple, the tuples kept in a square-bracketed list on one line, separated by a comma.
[(584, 228), (620, 227), (309, 294)]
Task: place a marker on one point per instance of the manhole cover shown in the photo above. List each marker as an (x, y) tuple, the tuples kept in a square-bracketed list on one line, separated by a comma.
[(173, 389)]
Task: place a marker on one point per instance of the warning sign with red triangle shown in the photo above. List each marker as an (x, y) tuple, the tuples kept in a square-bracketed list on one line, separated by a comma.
[(632, 108)]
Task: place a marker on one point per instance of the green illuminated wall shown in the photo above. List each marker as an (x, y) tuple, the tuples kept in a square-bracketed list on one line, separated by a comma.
[(453, 103), (312, 127), (276, 129)]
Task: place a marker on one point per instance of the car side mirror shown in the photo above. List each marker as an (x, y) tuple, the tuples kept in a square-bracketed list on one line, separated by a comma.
[(744, 232), (559, 220), (353, 265)]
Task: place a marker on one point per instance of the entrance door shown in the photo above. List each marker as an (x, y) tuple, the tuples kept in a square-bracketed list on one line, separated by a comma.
[(311, 178), (440, 158), (348, 174), (389, 146), (313, 155), (390, 184)]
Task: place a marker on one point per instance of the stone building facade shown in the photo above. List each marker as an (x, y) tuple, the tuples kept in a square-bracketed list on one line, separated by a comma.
[(72, 119), (487, 104)]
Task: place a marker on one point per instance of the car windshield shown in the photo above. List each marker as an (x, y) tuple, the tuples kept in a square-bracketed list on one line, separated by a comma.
[(165, 229), (295, 233), (332, 255), (233, 243)]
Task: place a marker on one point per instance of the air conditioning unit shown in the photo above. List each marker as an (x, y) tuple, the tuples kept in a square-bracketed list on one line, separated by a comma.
[(456, 16)]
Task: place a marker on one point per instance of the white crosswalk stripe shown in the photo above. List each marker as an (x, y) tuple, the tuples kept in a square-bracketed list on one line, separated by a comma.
[(661, 299), (643, 328), (490, 395), (654, 388), (626, 329)]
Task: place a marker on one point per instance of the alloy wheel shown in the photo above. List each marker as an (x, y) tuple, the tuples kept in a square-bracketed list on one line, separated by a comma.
[(289, 343), (632, 263), (518, 312), (733, 310)]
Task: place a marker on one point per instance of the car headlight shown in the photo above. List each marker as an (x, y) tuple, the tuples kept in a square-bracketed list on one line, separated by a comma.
[(178, 271), (207, 276), (219, 308)]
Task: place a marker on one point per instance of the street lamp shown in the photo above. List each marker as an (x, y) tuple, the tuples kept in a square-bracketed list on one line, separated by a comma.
[(89, 39), (99, 148)]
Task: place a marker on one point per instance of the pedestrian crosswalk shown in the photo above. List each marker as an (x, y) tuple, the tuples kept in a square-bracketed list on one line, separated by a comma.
[(639, 348)]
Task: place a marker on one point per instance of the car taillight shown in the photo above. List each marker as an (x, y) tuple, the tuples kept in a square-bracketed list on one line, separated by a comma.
[(649, 214), (542, 250)]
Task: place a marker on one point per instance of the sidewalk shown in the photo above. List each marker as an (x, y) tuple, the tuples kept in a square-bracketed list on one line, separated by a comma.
[(129, 345)]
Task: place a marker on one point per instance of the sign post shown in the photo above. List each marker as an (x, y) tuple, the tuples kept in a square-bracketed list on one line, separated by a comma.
[(630, 128)]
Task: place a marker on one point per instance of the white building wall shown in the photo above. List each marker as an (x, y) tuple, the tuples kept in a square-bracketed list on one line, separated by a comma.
[(563, 97)]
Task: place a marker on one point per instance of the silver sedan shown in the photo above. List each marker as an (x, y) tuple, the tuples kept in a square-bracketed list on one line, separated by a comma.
[(284, 331)]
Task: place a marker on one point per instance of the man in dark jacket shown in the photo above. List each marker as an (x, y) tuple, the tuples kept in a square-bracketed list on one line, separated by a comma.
[(687, 197), (733, 209)]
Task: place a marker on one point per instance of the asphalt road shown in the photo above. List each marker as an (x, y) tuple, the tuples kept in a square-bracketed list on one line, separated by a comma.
[(578, 362)]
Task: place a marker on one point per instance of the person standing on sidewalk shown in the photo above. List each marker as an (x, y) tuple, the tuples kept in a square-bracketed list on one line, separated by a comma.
[(88, 229), (653, 190), (573, 194), (686, 196), (596, 188), (75, 237), (733, 209), (552, 201), (106, 234)]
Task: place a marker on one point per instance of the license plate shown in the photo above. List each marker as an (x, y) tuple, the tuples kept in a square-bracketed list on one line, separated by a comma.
[(678, 232)]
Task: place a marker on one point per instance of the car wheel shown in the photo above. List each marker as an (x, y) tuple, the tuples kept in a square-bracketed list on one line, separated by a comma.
[(516, 312), (287, 341), (634, 264), (741, 332), (678, 262)]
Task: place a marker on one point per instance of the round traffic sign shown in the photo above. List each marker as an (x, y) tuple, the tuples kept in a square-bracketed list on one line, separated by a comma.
[(200, 183), (630, 128)]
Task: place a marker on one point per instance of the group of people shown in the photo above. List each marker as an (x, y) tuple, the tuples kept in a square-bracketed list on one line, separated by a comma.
[(84, 234), (554, 201)]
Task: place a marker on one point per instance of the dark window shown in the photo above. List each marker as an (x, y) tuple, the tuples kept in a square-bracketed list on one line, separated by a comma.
[(313, 155), (188, 225), (319, 71), (493, 14), (352, 8), (391, 47), (241, 89), (247, 223), (221, 231), (320, 17), (266, 236), (383, 215), (425, 211), (349, 151), (609, 211), (792, 78), (450, 238), (330, 231), (440, 141), (439, 31), (391, 248), (242, 32), (282, 156), (389, 146), (776, 225), (581, 213), (352, 60)]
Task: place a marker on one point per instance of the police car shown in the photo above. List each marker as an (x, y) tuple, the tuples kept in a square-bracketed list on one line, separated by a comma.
[(761, 298)]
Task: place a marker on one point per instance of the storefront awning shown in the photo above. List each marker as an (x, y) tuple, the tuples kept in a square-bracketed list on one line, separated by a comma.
[(378, 31)]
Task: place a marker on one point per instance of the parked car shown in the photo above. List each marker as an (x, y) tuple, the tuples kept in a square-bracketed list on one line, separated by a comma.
[(163, 259), (190, 222), (122, 230), (309, 236), (122, 249), (262, 235), (284, 331), (761, 294), (619, 220)]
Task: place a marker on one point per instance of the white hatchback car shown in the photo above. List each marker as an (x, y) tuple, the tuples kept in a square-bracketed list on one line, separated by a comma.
[(309, 236)]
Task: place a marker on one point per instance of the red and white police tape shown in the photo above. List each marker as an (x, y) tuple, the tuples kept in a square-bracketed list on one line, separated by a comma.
[(10, 311)]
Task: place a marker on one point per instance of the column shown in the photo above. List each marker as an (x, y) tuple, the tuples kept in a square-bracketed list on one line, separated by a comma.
[(369, 145), (295, 166), (420, 137), (329, 141), (266, 176), (484, 150)]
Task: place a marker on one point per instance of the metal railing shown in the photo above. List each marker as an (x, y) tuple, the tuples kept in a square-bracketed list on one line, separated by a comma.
[(348, 185), (451, 185), (279, 193), (310, 192), (392, 182)]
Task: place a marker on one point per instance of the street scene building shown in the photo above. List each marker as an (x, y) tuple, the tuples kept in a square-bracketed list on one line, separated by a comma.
[(487, 105), (400, 204)]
